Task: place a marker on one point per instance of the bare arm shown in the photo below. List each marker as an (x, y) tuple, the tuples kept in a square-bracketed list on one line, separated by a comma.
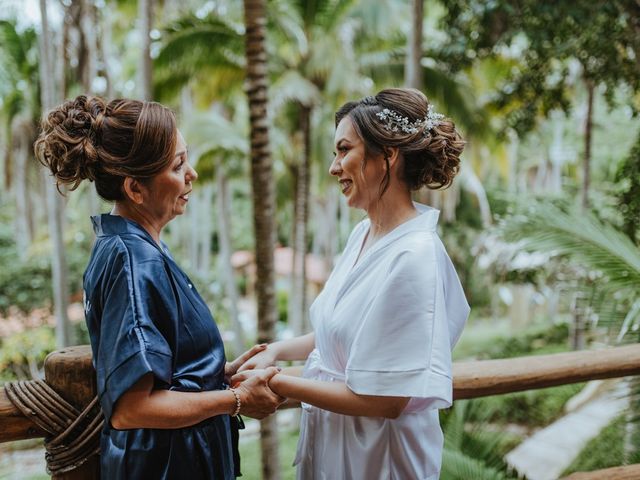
[(297, 348), (334, 396), (143, 407)]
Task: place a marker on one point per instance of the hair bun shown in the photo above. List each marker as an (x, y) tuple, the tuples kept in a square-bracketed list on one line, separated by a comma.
[(66, 144)]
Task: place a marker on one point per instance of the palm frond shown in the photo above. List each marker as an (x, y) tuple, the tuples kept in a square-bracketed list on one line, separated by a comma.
[(192, 43), (286, 25), (198, 49), (292, 86), (454, 98), (582, 237), (458, 466), (210, 131)]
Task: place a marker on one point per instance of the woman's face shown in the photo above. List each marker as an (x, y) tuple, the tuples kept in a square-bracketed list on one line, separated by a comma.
[(360, 185), (168, 192)]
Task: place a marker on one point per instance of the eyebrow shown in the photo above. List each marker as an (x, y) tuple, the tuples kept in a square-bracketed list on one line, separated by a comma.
[(341, 141), (180, 153)]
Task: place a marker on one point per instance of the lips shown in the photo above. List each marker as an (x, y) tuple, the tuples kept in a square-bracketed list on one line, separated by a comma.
[(185, 196), (345, 185)]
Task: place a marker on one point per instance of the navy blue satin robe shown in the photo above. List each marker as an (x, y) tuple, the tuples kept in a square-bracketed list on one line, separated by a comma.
[(144, 315)]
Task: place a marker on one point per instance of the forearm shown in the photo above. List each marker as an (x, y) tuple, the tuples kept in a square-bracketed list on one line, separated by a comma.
[(337, 397), (169, 409), (297, 348)]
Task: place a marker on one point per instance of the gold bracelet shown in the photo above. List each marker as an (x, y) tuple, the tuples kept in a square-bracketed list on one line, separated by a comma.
[(238, 402)]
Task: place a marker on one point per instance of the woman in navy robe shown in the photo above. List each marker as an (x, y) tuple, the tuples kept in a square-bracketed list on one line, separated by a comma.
[(161, 369)]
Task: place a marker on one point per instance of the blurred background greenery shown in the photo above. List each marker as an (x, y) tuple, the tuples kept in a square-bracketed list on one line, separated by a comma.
[(543, 222)]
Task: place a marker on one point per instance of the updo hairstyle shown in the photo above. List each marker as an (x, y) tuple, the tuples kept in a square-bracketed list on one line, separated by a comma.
[(87, 138), (431, 158)]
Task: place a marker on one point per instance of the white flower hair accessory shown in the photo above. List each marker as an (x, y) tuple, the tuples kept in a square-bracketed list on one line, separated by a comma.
[(394, 122)]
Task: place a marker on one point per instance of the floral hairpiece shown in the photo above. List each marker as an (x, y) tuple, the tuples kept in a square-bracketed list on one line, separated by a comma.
[(395, 122)]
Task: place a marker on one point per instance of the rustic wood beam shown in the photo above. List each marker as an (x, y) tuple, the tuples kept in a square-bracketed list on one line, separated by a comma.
[(471, 379), (490, 377), (626, 472), (13, 424)]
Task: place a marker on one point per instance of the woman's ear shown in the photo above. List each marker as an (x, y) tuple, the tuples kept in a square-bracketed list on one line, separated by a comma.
[(392, 154), (133, 190)]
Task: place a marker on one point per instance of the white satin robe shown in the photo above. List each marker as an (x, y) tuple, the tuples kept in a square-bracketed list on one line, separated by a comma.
[(385, 326)]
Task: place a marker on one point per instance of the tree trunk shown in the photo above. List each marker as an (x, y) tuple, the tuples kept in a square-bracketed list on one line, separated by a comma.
[(82, 21), (105, 48), (588, 127), (61, 72), (207, 229), (89, 48), (263, 204), (223, 205), (413, 70), (55, 204), (22, 141), (299, 264), (145, 17)]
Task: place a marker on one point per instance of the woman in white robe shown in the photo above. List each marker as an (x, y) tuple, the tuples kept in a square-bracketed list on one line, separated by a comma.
[(378, 363)]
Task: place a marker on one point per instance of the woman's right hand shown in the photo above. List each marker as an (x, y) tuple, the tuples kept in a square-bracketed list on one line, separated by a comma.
[(264, 359), (256, 398)]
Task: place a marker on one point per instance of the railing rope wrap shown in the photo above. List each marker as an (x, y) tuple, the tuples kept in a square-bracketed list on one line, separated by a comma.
[(74, 435)]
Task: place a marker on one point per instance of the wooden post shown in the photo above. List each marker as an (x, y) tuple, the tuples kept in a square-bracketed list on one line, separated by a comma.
[(70, 373)]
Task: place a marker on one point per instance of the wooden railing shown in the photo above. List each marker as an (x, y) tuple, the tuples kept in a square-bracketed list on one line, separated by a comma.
[(71, 374)]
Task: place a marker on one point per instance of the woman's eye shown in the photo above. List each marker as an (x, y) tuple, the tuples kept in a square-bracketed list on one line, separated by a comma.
[(179, 166)]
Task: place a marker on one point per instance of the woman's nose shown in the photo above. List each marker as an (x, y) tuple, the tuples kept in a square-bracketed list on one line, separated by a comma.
[(193, 175), (335, 168)]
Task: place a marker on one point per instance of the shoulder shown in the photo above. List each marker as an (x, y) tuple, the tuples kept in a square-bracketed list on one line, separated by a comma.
[(127, 254), (417, 246), (416, 257), (138, 248)]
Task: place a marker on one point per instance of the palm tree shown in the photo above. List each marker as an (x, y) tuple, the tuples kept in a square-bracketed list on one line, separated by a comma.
[(316, 66), (55, 202), (263, 203)]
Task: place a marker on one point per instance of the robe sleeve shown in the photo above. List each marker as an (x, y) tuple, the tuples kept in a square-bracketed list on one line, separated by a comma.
[(404, 344), (135, 322)]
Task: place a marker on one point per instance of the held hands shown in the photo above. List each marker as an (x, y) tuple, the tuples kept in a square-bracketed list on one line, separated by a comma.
[(231, 368), (257, 399), (261, 359)]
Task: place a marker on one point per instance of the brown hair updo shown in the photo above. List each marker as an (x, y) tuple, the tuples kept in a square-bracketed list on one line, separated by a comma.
[(431, 158), (87, 138)]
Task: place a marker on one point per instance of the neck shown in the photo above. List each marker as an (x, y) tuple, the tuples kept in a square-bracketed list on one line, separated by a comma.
[(142, 218), (394, 208)]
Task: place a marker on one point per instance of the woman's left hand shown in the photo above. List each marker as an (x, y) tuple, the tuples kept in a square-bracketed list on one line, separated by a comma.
[(231, 368)]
